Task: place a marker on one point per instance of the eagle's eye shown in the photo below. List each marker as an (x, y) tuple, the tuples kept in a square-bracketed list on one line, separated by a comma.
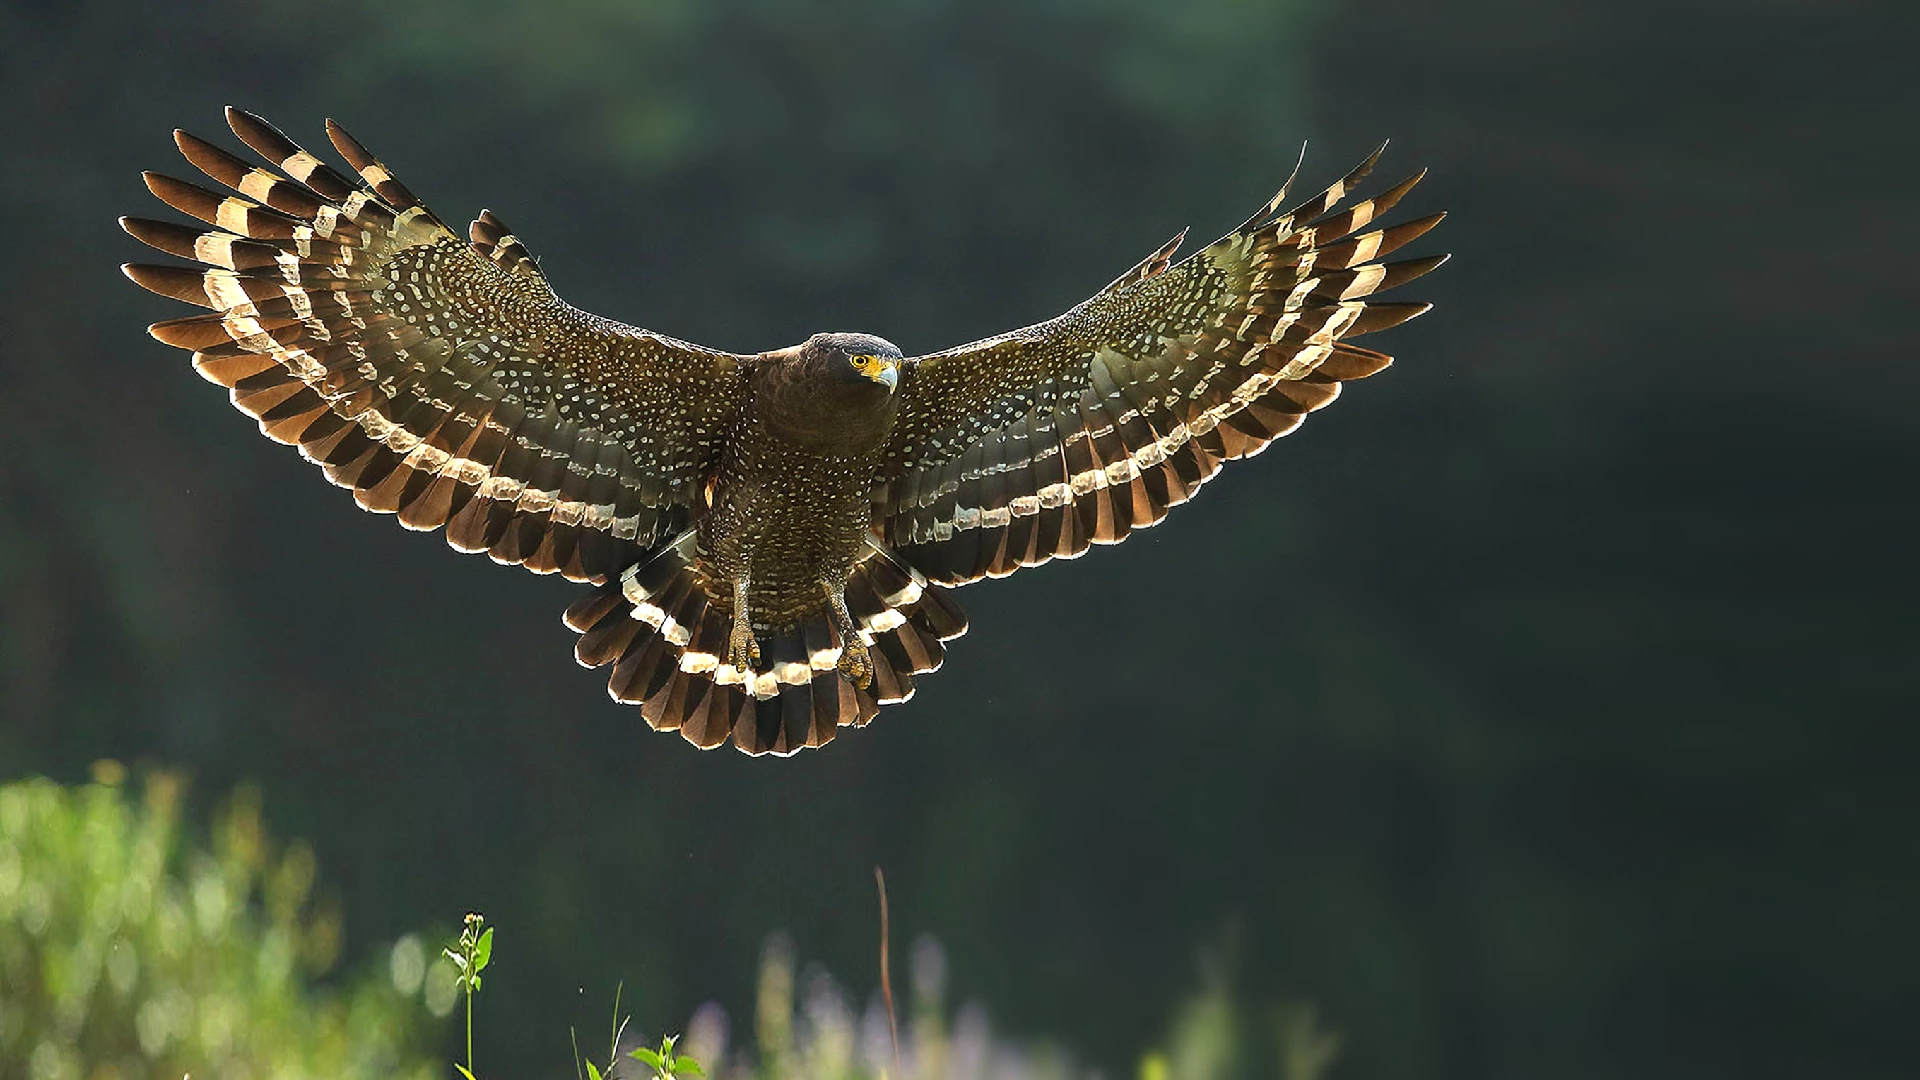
[(879, 369)]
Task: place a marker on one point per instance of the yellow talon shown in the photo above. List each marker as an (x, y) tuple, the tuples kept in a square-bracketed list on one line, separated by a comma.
[(856, 665), (743, 649)]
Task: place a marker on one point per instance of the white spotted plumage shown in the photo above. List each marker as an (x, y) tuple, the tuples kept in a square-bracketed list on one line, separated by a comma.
[(440, 379)]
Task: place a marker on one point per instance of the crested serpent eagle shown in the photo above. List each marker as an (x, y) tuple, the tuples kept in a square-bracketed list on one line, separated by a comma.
[(773, 538)]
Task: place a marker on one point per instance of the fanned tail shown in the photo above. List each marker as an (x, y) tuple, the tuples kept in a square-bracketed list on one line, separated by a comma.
[(665, 635)]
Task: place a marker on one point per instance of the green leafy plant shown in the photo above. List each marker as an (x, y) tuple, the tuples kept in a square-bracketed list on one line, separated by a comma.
[(665, 1063), (473, 951), (470, 954)]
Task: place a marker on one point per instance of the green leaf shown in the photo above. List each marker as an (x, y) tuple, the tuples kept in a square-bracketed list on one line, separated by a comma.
[(645, 1057), (483, 951), (687, 1065), (464, 1071), (593, 1071), (458, 960), (473, 982)]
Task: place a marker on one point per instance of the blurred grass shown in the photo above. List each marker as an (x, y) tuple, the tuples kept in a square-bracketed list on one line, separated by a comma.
[(129, 951), (130, 948), (807, 1026)]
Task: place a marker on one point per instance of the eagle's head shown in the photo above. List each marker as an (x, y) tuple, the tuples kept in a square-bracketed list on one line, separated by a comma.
[(853, 359), (832, 392)]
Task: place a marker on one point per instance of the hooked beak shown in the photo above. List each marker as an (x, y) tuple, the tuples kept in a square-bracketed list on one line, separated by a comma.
[(880, 369)]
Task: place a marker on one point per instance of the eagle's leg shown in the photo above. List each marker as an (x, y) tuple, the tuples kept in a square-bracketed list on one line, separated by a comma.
[(743, 650), (854, 663)]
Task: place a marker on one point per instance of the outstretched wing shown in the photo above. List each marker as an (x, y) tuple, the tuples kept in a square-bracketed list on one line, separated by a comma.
[(436, 376), (1035, 444)]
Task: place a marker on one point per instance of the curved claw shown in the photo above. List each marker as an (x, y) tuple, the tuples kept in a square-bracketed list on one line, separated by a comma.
[(743, 649)]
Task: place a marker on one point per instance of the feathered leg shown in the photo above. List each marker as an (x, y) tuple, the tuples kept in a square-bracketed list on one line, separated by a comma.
[(854, 662), (743, 649)]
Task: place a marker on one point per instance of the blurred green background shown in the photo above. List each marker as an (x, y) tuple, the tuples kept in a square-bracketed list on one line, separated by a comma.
[(1542, 709)]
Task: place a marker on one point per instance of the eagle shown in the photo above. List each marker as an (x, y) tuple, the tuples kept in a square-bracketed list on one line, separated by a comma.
[(773, 538)]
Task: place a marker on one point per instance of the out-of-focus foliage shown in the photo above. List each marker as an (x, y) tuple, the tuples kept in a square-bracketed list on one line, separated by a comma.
[(129, 951), (806, 1026)]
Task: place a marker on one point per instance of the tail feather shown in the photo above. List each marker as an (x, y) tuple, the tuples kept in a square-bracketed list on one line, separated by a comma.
[(892, 682), (786, 719), (641, 671), (665, 636)]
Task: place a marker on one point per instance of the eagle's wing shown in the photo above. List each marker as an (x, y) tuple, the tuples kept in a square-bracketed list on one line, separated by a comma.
[(435, 375), (1035, 444)]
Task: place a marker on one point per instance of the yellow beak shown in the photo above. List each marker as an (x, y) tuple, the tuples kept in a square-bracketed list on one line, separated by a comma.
[(880, 369)]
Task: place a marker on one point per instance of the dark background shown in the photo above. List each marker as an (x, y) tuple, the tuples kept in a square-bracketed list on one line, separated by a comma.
[(1541, 709)]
